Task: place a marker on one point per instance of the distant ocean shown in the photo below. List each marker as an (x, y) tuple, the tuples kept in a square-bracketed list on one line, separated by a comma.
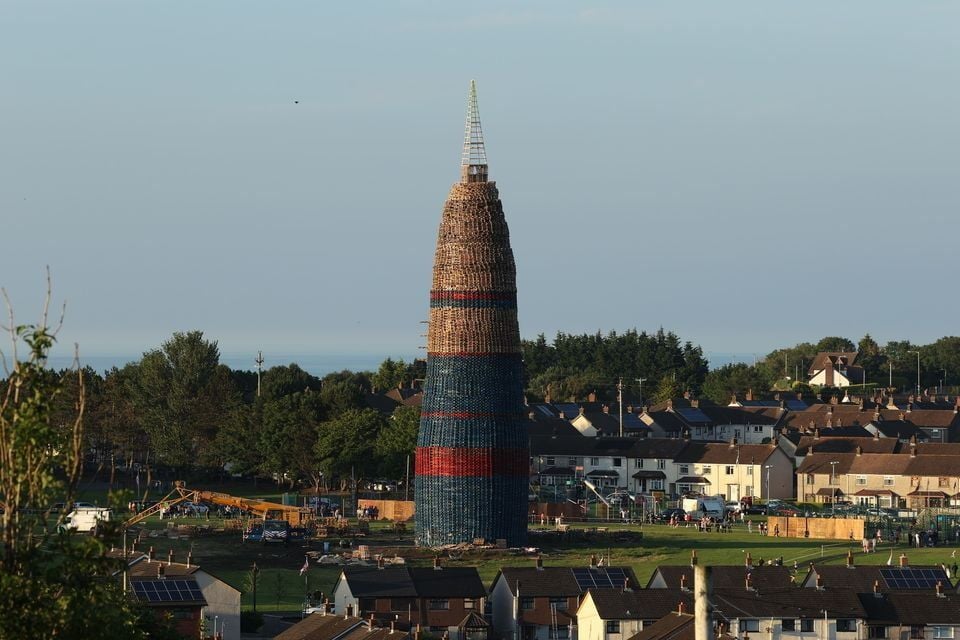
[(319, 364)]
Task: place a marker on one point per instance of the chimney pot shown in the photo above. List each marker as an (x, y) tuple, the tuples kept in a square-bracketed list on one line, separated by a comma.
[(850, 559), (189, 558), (436, 564), (540, 562), (170, 557), (151, 554), (693, 557), (593, 561), (903, 560), (160, 571)]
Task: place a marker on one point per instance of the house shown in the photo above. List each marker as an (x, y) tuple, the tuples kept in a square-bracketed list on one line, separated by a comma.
[(919, 616), (677, 625), (619, 613), (917, 476), (176, 599), (875, 578), (734, 470), (789, 613), (540, 603), (766, 577), (222, 601), (328, 626), (835, 369), (440, 600)]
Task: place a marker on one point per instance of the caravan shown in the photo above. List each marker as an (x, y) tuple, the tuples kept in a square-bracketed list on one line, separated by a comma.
[(704, 506), (87, 519)]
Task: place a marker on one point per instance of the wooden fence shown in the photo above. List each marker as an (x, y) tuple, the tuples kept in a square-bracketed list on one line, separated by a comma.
[(396, 510), (817, 528)]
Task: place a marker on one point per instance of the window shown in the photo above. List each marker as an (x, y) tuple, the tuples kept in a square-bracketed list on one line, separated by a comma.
[(367, 604), (639, 462), (526, 604), (942, 632), (655, 484), (861, 480), (888, 481), (846, 624), (876, 632), (594, 462), (617, 462), (469, 603), (572, 462), (562, 632), (943, 482), (437, 630), (439, 604), (916, 632), (706, 470), (729, 470), (613, 626), (560, 604), (788, 624), (401, 604), (806, 625), (810, 478), (757, 428), (749, 624), (551, 461), (749, 471), (661, 463), (684, 468)]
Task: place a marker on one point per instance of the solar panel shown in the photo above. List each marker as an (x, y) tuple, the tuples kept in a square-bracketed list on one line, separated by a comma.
[(599, 578), (910, 578), (168, 590), (693, 415)]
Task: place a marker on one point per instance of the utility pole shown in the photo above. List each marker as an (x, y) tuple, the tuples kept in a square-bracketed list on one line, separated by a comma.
[(640, 382), (918, 370), (620, 398), (259, 362), (890, 381)]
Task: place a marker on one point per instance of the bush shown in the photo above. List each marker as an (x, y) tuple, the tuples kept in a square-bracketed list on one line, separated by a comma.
[(250, 621)]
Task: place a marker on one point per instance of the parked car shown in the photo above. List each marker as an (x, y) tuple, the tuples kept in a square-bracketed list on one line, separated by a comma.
[(666, 514), (783, 509)]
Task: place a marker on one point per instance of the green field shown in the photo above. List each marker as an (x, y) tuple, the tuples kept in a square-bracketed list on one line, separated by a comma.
[(280, 587)]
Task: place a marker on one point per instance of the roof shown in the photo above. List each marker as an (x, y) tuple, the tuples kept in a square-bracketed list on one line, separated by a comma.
[(557, 471), (639, 604), (692, 480), (448, 582), (603, 473), (767, 577), (837, 358), (556, 581), (846, 445), (912, 608), (859, 579), (372, 582), (318, 626), (789, 602), (643, 473), (673, 626), (725, 453), (473, 620), (149, 568), (167, 592)]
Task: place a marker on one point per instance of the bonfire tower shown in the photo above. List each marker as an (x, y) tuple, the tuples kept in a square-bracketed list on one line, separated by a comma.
[(472, 460)]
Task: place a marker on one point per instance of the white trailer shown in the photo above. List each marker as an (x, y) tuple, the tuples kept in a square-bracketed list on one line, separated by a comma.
[(86, 519)]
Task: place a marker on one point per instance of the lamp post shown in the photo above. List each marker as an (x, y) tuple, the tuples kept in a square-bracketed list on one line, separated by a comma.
[(943, 380), (255, 572), (768, 467), (640, 382), (833, 479), (918, 371)]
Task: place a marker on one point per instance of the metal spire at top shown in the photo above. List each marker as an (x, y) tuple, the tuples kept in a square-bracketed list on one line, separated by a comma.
[(473, 162)]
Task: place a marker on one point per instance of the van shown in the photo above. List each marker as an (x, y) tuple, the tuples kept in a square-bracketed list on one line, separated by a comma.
[(87, 519)]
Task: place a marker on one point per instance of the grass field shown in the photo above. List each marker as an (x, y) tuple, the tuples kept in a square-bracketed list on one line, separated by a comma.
[(280, 587)]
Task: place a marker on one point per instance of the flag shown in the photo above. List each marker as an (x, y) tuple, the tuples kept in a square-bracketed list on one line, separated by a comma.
[(890, 559), (306, 565)]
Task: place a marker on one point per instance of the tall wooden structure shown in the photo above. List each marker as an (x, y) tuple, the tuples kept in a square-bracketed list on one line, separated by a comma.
[(472, 460)]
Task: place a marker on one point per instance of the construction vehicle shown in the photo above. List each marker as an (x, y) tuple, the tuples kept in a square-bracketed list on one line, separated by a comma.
[(294, 517)]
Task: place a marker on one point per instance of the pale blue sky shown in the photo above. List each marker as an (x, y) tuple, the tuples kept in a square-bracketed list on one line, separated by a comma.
[(748, 174)]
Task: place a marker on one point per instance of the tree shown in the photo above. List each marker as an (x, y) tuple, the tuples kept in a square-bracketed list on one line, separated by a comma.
[(345, 444), (179, 391), (397, 440), (52, 584), (390, 375), (288, 435), (836, 343), (721, 384), (666, 389)]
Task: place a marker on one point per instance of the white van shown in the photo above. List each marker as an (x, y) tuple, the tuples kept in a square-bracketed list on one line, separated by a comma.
[(86, 519)]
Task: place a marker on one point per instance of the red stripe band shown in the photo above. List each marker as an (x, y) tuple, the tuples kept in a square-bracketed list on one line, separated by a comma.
[(471, 462), (463, 354)]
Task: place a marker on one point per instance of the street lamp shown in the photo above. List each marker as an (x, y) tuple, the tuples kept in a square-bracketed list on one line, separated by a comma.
[(768, 467), (918, 370), (640, 382), (943, 379), (833, 495)]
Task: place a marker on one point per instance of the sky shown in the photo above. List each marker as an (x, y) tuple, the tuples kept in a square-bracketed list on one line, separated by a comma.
[(747, 174)]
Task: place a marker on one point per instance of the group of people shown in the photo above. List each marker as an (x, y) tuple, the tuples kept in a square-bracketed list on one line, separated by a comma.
[(368, 513)]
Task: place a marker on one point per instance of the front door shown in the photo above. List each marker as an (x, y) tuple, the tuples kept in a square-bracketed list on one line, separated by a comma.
[(733, 492)]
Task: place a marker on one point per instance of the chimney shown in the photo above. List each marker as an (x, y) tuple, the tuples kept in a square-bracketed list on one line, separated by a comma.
[(189, 558), (850, 560), (582, 409), (903, 560), (532, 416), (748, 561), (819, 582), (170, 557), (370, 624), (606, 408), (833, 401), (749, 581), (828, 374), (393, 627), (693, 558), (816, 433), (592, 396), (539, 563), (436, 563), (876, 434), (562, 416), (593, 561), (749, 396), (683, 582), (160, 571), (695, 403), (733, 399), (876, 589), (859, 451), (626, 584), (703, 611), (670, 404), (380, 562), (940, 593), (733, 442), (151, 554)]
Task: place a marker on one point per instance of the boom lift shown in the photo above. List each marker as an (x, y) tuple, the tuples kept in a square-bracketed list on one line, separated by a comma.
[(294, 516)]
